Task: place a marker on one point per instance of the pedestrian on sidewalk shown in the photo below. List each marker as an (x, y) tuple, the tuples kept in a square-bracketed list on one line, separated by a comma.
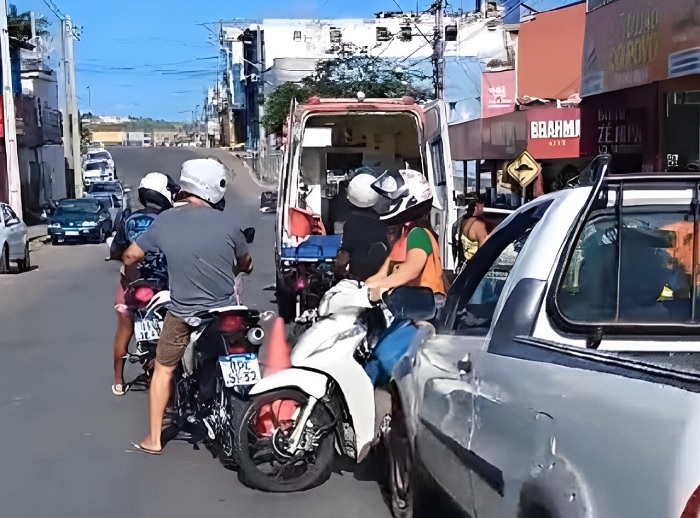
[(205, 250)]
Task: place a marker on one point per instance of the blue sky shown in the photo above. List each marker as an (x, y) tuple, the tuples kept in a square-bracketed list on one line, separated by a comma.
[(150, 58)]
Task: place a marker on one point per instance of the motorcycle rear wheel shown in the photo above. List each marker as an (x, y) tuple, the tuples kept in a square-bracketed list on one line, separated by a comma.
[(261, 466)]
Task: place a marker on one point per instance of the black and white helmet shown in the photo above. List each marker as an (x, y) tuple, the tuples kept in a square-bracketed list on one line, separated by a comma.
[(157, 189), (405, 195)]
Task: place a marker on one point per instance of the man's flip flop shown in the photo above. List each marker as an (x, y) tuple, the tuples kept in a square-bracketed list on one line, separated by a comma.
[(138, 447)]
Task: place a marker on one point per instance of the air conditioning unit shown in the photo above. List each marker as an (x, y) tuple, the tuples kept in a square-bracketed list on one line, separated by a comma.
[(684, 63)]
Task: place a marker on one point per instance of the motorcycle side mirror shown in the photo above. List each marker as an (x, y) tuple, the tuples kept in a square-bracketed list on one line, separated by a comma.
[(412, 302), (249, 234)]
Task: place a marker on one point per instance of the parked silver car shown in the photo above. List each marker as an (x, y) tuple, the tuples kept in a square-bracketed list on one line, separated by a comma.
[(565, 373), (14, 244)]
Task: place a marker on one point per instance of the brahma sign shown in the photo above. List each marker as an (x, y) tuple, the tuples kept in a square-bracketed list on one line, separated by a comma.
[(554, 133)]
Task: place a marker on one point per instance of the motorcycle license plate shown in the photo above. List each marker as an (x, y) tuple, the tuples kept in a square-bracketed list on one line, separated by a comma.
[(146, 330), (240, 369)]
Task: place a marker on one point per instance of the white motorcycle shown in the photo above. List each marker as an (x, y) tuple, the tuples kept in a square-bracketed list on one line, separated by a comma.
[(326, 400)]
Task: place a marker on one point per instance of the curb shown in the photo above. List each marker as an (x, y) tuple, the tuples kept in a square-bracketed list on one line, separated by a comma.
[(255, 179)]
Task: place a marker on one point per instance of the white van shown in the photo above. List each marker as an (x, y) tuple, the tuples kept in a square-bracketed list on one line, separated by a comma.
[(327, 139)]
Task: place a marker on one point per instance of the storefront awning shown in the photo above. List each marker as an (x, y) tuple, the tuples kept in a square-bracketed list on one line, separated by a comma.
[(547, 133)]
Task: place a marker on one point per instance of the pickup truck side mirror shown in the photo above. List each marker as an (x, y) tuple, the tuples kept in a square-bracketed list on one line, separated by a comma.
[(249, 234), (412, 302)]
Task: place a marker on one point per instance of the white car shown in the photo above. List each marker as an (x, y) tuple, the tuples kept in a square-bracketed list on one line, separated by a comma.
[(14, 243), (98, 171), (94, 155)]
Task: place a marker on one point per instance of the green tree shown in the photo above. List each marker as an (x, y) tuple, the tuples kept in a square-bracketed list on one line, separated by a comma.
[(378, 78), (277, 105), (343, 78), (19, 25)]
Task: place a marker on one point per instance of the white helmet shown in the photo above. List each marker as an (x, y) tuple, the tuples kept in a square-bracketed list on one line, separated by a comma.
[(158, 189), (360, 191), (404, 195), (204, 178)]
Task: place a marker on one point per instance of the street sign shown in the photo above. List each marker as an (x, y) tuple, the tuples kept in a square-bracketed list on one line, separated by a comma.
[(524, 169)]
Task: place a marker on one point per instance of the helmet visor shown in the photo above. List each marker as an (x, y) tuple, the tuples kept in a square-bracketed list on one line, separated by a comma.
[(391, 185)]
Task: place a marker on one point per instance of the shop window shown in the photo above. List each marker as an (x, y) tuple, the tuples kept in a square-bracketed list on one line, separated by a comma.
[(634, 265), (383, 34), (450, 33), (406, 33), (297, 36), (682, 131)]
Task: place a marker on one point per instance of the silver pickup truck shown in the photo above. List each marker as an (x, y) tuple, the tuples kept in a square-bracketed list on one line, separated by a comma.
[(564, 375)]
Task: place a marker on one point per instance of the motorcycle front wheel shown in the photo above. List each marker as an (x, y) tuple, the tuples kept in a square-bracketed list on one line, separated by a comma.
[(262, 441)]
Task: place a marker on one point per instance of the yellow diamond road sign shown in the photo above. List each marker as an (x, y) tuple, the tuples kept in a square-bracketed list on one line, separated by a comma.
[(524, 169)]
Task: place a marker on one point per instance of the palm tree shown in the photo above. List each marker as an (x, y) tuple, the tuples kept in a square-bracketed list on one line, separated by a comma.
[(20, 25)]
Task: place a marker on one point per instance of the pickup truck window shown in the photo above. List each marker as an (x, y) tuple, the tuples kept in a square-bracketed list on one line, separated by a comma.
[(634, 267), (474, 296), (477, 311)]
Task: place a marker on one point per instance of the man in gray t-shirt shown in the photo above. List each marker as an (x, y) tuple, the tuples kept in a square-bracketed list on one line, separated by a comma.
[(204, 251), (201, 246)]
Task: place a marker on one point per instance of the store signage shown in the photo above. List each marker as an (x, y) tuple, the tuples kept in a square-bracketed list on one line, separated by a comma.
[(554, 133), (632, 42), (555, 129), (619, 131), (497, 93)]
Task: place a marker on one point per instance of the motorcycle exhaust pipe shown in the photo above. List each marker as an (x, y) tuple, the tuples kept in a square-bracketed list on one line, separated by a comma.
[(255, 336)]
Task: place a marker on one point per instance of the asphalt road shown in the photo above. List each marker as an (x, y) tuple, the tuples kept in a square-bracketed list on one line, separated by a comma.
[(65, 439)]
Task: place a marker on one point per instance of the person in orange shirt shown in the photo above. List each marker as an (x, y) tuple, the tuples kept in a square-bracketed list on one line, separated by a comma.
[(414, 260)]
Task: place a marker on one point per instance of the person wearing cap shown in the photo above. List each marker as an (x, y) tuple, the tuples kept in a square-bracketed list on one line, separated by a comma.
[(364, 246), (205, 250)]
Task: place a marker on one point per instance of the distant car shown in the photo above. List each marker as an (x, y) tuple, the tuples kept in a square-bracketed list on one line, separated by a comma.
[(14, 244), (98, 171), (85, 219), (106, 190), (99, 154)]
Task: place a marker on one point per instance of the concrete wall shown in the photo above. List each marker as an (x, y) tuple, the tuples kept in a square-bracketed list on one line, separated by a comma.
[(108, 138)]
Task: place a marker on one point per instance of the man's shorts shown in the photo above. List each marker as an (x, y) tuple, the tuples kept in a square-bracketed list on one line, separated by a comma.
[(173, 341)]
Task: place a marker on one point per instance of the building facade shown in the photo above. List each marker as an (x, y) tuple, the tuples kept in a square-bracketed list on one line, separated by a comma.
[(264, 54), (641, 84)]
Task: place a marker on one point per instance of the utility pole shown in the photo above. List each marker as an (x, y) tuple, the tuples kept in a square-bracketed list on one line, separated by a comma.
[(72, 110), (438, 58), (13, 177)]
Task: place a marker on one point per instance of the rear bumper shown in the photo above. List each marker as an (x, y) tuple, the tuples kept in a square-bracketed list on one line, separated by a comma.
[(75, 233)]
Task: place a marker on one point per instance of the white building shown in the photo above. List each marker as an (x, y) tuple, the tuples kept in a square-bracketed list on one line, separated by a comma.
[(293, 47)]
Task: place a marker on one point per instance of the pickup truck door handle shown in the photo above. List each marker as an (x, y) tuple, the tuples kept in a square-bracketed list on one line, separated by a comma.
[(464, 366)]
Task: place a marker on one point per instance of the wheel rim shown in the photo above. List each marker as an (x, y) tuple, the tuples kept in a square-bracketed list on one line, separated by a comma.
[(266, 447)]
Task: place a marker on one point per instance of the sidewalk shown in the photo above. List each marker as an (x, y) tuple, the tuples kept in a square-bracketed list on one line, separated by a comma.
[(36, 232)]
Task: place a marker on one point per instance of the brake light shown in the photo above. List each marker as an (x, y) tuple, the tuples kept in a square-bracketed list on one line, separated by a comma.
[(692, 508), (300, 284), (231, 323), (143, 295)]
